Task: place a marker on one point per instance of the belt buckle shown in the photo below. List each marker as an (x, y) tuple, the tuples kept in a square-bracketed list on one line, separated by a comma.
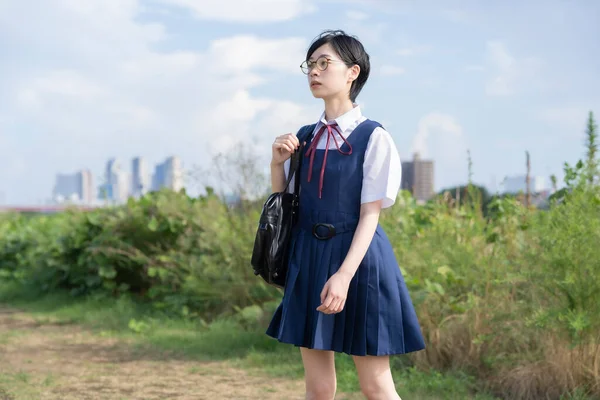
[(328, 226)]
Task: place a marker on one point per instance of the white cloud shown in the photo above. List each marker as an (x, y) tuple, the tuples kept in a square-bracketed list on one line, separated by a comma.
[(60, 83), (474, 68), (458, 16), (509, 74), (254, 11), (441, 138), (434, 123), (391, 70), (110, 93), (356, 15), (240, 53), (370, 34), (265, 120), (258, 121), (572, 119), (414, 50)]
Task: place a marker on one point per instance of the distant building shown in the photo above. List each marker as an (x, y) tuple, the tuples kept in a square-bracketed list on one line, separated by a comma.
[(87, 186), (74, 188), (140, 177), (168, 174), (115, 187), (516, 184), (418, 178), (118, 185)]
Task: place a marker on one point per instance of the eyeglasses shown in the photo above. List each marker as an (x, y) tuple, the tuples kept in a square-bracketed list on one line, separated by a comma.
[(322, 63)]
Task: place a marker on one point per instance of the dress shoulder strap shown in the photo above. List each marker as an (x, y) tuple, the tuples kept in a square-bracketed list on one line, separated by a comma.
[(362, 133), (369, 126), (305, 132)]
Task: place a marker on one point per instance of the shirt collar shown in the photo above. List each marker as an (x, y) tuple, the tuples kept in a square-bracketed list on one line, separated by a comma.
[(345, 120)]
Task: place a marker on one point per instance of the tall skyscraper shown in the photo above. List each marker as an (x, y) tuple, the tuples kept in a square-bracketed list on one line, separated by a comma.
[(66, 188), (418, 178), (140, 178), (168, 174), (87, 186), (115, 187), (158, 178), (74, 188), (174, 173)]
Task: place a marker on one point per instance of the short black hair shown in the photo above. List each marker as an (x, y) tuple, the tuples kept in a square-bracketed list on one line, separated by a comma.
[(350, 50)]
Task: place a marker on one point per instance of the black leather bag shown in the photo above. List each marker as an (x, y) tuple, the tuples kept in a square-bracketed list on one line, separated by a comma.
[(270, 254)]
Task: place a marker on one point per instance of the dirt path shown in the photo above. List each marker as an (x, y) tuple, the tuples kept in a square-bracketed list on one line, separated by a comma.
[(45, 360)]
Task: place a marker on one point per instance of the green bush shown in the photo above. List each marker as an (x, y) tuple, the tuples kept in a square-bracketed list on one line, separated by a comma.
[(186, 255), (506, 293)]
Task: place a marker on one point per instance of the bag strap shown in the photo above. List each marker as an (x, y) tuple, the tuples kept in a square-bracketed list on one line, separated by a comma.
[(296, 160)]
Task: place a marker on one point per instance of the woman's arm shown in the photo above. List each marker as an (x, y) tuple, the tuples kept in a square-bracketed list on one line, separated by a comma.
[(333, 295), (367, 224), (382, 171), (277, 177)]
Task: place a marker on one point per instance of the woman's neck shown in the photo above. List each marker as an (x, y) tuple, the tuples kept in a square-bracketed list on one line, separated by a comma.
[(336, 107)]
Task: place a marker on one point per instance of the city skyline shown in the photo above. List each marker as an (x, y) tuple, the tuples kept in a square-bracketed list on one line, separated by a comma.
[(147, 77), (116, 185), (418, 177)]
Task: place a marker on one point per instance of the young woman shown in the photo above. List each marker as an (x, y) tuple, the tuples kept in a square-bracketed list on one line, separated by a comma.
[(344, 291)]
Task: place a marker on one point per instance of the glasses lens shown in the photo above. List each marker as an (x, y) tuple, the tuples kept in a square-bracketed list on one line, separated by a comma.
[(322, 63), (304, 67)]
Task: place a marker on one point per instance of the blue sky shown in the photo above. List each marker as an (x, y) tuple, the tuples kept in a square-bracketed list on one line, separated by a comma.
[(86, 81)]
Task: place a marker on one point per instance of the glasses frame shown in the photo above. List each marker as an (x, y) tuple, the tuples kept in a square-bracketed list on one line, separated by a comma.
[(308, 65)]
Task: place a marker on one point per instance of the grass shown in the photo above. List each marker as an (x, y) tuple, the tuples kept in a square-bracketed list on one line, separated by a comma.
[(19, 385), (224, 339)]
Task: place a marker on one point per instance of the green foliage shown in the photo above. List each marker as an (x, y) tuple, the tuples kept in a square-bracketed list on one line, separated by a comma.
[(565, 255), (504, 292), (185, 255), (591, 145)]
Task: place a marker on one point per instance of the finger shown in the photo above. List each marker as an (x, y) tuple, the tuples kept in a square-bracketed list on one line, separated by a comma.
[(325, 304), (324, 293), (293, 138), (322, 308), (335, 306), (325, 310), (342, 305), (284, 147), (329, 301), (293, 143), (281, 139)]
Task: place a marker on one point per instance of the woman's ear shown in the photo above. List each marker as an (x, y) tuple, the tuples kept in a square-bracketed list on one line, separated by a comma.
[(354, 72)]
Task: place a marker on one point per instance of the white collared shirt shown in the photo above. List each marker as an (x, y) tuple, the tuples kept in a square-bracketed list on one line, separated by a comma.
[(382, 169)]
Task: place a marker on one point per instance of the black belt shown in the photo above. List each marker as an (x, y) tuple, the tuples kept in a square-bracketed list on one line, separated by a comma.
[(325, 231)]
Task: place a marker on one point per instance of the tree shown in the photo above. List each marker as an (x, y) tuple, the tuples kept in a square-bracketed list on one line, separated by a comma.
[(554, 181), (591, 145), (528, 180), (465, 193)]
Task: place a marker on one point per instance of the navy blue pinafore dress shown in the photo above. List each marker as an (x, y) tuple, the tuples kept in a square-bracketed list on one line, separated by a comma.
[(378, 317)]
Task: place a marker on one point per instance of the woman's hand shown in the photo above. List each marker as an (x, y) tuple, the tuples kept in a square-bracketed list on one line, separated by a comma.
[(333, 295), (283, 147)]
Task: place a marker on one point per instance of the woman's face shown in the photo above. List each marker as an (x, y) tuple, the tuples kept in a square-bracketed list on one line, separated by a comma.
[(328, 75)]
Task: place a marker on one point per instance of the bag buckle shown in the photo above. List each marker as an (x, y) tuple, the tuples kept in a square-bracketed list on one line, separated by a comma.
[(328, 226)]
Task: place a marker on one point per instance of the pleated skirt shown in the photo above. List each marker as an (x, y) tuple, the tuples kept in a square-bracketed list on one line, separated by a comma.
[(378, 317)]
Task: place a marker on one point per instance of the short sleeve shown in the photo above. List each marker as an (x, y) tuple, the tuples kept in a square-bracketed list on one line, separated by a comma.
[(382, 169)]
